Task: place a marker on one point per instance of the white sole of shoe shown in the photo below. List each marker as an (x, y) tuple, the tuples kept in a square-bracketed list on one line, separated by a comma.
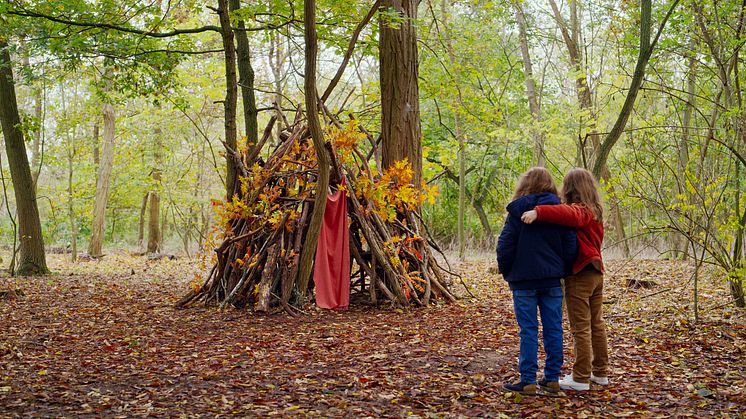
[(602, 381)]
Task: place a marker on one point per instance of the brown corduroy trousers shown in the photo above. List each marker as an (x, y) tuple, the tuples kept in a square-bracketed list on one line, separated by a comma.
[(584, 299)]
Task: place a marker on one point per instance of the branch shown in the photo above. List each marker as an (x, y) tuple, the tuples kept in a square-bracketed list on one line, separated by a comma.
[(350, 49), (99, 25)]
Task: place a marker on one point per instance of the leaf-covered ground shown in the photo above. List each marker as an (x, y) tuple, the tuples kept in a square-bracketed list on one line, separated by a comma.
[(102, 339)]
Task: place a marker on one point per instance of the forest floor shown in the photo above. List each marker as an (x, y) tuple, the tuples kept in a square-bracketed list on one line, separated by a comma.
[(103, 339)]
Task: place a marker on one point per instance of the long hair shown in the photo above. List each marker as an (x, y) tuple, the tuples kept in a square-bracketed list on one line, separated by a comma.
[(580, 187), (535, 180)]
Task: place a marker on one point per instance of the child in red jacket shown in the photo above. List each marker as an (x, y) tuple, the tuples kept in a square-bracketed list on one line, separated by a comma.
[(584, 289)]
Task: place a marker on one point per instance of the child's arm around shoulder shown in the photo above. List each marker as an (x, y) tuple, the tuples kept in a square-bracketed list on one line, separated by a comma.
[(564, 214)]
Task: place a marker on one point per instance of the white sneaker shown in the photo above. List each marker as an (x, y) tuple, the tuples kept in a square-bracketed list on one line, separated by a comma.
[(602, 381), (568, 383)]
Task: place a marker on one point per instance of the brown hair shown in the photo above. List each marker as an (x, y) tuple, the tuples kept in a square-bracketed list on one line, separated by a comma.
[(580, 187), (535, 180)]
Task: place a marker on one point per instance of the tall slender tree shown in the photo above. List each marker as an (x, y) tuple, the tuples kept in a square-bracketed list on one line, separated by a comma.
[(32, 260), (103, 182)]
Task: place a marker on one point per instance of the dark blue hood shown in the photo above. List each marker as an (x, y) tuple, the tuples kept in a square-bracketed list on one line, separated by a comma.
[(528, 202), (534, 256)]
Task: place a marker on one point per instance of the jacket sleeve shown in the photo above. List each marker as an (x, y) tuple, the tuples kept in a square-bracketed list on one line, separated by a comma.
[(569, 249), (563, 214), (506, 245)]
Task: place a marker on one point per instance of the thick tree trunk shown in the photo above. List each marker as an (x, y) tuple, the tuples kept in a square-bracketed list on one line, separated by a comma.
[(533, 101), (314, 125), (246, 81), (400, 102), (32, 260), (36, 93), (103, 182), (231, 97)]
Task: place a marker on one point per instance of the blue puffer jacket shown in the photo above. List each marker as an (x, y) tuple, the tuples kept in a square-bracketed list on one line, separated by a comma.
[(534, 256)]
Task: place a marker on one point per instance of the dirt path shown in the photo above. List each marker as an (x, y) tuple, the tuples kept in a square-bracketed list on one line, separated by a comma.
[(82, 343)]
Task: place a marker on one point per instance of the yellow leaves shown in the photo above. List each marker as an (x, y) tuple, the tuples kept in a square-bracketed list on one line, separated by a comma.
[(394, 191), (345, 139)]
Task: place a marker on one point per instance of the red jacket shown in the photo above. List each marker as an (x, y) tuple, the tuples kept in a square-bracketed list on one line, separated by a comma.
[(590, 231)]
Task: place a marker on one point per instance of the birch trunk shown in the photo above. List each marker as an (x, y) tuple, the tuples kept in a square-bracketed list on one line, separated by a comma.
[(103, 182)]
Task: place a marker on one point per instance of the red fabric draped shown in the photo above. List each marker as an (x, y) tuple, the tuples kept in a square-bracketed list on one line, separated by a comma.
[(331, 272)]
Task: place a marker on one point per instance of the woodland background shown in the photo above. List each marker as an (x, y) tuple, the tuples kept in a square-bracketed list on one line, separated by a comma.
[(674, 178), (129, 111)]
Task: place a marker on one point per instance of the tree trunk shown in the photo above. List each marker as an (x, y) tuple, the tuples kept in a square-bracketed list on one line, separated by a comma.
[(70, 203), (154, 215), (587, 153), (533, 101), (32, 260), (36, 143), (455, 106), (680, 242), (103, 182), (571, 36), (246, 74), (164, 228), (736, 277), (141, 223), (231, 97), (400, 103), (314, 125), (96, 150)]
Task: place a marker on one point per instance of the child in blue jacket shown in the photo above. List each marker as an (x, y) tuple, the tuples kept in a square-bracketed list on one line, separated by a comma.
[(533, 258)]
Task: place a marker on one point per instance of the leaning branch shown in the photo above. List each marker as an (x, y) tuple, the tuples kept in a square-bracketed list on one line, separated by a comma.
[(350, 49), (101, 25)]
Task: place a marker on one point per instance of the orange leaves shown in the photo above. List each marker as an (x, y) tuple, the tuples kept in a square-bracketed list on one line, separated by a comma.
[(394, 191), (344, 140)]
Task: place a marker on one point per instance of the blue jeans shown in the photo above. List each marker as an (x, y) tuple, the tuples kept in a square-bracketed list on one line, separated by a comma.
[(549, 302)]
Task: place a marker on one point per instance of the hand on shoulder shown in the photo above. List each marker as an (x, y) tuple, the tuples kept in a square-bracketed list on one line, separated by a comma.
[(529, 217)]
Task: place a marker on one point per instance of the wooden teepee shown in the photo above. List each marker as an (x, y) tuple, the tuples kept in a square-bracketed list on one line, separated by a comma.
[(264, 224)]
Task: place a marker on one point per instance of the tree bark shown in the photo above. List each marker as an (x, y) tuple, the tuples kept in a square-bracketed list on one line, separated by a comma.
[(154, 215), (231, 97), (533, 101), (314, 125), (141, 223), (70, 203), (103, 182), (36, 93), (246, 81), (400, 103), (96, 142), (32, 260)]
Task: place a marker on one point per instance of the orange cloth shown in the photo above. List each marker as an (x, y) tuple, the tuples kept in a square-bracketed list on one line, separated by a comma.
[(331, 272)]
